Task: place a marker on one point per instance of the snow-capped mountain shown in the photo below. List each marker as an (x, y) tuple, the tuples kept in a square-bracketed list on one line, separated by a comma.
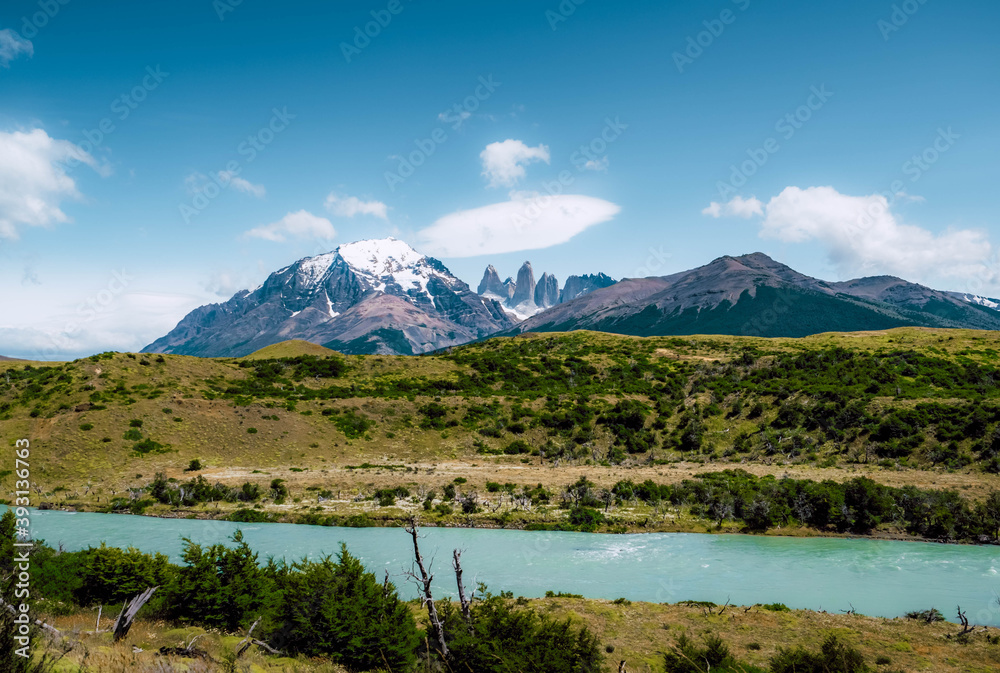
[(978, 300), (373, 296), (524, 297)]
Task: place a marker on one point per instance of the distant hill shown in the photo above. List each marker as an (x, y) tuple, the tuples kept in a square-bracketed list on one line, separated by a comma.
[(753, 295), (290, 349), (8, 359)]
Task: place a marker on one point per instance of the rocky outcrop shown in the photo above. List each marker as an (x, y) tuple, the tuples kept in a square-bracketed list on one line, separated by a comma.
[(577, 286), (524, 292), (547, 291)]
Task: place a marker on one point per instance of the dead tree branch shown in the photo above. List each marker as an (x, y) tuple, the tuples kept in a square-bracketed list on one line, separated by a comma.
[(245, 644), (457, 564), (129, 610), (437, 630), (38, 622), (964, 621)]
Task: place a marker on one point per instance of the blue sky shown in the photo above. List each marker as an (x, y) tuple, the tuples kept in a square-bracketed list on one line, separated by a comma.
[(728, 127)]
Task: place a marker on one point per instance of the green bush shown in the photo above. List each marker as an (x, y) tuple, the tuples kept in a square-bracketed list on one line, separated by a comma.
[(219, 586), (518, 446), (586, 518), (352, 424), (338, 610), (504, 636), (110, 575), (687, 657), (833, 657)]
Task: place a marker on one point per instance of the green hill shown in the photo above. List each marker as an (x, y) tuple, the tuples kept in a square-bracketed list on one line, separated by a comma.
[(908, 406)]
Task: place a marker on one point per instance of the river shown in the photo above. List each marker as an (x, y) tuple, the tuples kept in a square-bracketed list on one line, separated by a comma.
[(876, 577)]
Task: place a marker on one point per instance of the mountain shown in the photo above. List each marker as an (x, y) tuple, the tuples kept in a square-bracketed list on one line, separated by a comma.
[(757, 296), (547, 291), (524, 289), (524, 297), (375, 296), (577, 286), (988, 302), (6, 359)]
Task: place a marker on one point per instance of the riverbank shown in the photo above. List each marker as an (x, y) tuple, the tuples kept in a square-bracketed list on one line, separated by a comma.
[(636, 632), (376, 518), (794, 501)]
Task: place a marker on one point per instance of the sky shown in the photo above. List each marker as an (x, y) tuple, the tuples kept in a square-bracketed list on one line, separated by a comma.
[(158, 156)]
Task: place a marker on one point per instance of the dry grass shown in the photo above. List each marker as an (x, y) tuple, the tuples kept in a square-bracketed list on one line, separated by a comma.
[(639, 633), (91, 652)]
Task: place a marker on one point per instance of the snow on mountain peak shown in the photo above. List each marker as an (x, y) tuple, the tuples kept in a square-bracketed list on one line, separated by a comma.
[(379, 257), (312, 269)]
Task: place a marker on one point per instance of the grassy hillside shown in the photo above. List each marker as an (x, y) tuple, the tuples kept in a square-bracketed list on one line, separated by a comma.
[(374, 435)]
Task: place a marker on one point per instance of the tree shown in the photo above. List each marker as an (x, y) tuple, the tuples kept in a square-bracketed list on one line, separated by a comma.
[(112, 575), (219, 586), (505, 636), (337, 609), (989, 513)]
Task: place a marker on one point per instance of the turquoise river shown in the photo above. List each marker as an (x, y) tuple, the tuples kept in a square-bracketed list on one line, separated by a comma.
[(876, 577)]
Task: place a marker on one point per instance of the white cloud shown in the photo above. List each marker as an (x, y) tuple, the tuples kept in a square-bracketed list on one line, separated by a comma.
[(302, 224), (349, 206), (904, 196), (457, 118), (862, 236), (67, 319), (737, 207), (33, 179), (528, 221), (12, 45), (241, 185), (597, 165), (503, 163)]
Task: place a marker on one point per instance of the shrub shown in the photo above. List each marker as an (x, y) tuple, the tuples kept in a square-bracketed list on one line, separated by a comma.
[(352, 424), (193, 466), (929, 616), (148, 446), (504, 636), (86, 426), (339, 610), (775, 607), (518, 446), (279, 491), (833, 657), (688, 657), (110, 575), (219, 586), (585, 518)]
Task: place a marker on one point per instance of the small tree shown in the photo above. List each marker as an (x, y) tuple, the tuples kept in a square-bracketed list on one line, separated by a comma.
[(505, 637), (219, 586), (112, 575), (337, 609)]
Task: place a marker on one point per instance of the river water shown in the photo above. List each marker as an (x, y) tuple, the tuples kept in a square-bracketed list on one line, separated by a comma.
[(878, 577)]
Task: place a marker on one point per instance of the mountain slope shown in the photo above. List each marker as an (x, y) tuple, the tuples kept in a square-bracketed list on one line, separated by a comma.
[(757, 296), (377, 296)]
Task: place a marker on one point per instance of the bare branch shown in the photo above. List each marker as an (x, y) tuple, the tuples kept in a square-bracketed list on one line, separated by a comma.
[(437, 629)]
